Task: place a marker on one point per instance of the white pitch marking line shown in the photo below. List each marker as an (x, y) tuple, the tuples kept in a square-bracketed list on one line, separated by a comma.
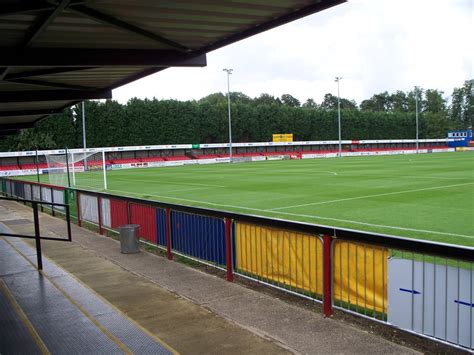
[(314, 217), (170, 191), (369, 196), (376, 225), (432, 177), (171, 183), (406, 176)]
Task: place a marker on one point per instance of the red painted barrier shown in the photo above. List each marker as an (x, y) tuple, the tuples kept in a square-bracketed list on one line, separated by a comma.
[(145, 217), (118, 213), (327, 273), (228, 249)]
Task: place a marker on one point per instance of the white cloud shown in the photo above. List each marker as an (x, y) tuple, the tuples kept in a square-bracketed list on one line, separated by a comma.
[(375, 46)]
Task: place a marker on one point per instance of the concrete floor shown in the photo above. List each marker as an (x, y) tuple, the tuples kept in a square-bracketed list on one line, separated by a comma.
[(192, 311)]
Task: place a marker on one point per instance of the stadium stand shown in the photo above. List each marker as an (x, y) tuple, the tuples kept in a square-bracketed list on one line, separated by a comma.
[(177, 157), (9, 167), (137, 156), (151, 159)]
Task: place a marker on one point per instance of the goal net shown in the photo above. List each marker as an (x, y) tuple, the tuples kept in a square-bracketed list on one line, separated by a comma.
[(81, 170)]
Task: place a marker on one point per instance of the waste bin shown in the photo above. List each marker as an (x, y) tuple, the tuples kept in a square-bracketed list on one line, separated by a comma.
[(129, 238)]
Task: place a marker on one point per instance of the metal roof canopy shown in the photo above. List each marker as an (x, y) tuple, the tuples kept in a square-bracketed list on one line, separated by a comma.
[(54, 54)]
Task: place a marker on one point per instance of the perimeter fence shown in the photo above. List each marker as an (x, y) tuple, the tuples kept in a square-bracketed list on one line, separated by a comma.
[(419, 286)]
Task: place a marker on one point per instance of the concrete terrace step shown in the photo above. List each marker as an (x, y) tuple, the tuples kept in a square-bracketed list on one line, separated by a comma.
[(65, 316)]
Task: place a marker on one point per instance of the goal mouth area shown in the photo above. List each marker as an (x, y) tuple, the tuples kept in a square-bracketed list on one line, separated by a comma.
[(81, 170)]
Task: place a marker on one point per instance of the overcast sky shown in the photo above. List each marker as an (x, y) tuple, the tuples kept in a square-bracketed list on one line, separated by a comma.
[(375, 45)]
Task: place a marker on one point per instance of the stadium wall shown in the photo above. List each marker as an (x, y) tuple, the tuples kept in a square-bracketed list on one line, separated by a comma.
[(418, 286)]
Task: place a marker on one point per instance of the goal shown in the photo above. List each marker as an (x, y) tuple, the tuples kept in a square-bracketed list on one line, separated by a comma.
[(80, 169)]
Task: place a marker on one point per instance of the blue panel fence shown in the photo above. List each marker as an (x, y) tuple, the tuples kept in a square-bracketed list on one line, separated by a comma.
[(198, 236), (161, 227)]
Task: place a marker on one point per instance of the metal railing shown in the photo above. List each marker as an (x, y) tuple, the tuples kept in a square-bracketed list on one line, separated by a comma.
[(36, 223), (341, 268), (420, 286)]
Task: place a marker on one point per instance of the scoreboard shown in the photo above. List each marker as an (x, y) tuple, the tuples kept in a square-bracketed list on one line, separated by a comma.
[(459, 138), (288, 137)]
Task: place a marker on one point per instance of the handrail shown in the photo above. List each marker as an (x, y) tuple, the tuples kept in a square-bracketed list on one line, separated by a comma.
[(57, 187), (390, 241), (16, 199), (37, 236)]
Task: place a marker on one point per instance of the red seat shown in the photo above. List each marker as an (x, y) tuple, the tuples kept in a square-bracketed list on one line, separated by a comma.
[(177, 157), (151, 159), (9, 167), (125, 161), (28, 166), (207, 156)]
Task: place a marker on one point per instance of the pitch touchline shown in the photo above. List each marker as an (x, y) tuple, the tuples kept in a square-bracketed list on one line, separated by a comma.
[(368, 196), (313, 217)]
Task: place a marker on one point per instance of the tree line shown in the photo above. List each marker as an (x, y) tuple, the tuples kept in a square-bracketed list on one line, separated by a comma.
[(147, 122)]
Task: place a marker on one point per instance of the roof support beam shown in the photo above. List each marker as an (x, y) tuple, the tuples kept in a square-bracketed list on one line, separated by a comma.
[(4, 72), (110, 20), (50, 84), (39, 72), (42, 23), (29, 113), (53, 95), (84, 57), (24, 8), (295, 15), (136, 76)]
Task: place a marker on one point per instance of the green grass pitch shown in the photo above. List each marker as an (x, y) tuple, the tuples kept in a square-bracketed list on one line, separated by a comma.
[(426, 196)]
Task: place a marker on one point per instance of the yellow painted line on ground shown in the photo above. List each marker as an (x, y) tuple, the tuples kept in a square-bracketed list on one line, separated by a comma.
[(23, 317), (144, 330)]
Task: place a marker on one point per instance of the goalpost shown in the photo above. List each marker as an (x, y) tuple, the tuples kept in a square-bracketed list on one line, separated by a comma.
[(77, 169)]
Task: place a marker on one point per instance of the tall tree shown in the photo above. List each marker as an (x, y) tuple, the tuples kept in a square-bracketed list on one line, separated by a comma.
[(289, 100), (461, 110), (240, 98), (310, 103), (399, 101), (266, 99), (434, 101), (329, 102), (379, 102), (146, 122), (215, 98), (412, 97)]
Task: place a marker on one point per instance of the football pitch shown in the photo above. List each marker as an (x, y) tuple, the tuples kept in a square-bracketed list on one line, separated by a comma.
[(426, 196)]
